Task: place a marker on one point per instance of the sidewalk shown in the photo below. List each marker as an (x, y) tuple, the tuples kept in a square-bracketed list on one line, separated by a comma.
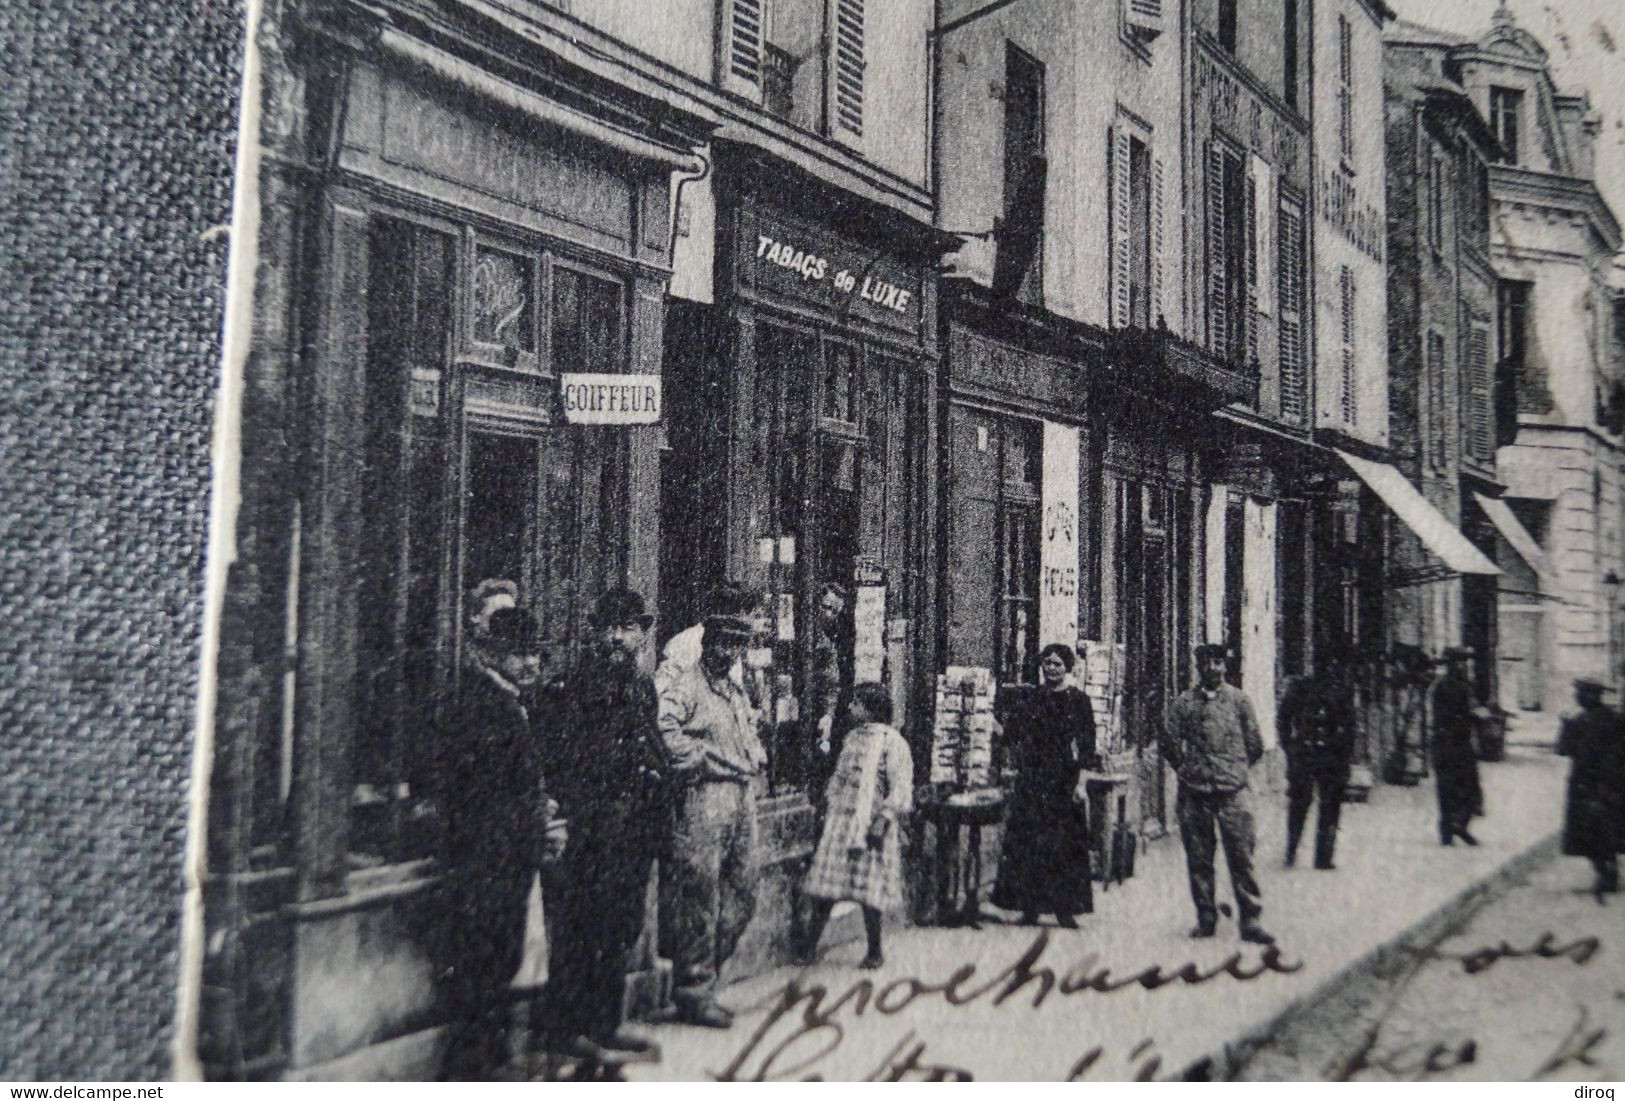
[(1392, 873)]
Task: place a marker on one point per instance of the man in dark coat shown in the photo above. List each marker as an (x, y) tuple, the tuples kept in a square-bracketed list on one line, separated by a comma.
[(607, 768), (1594, 820), (490, 779), (1316, 726), (1454, 761), (1211, 739)]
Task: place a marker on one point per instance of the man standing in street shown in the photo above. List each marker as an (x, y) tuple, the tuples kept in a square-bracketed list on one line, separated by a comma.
[(1594, 817), (709, 730), (1316, 726), (491, 780), (1456, 765), (1211, 739), (607, 768)]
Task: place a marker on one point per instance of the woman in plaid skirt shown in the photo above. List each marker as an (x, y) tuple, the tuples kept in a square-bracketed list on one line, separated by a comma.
[(859, 856)]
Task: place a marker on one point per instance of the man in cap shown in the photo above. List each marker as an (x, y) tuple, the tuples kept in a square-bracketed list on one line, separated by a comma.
[(495, 836), (709, 729), (1594, 815), (1316, 726), (607, 768), (1211, 739), (682, 650), (1455, 764)]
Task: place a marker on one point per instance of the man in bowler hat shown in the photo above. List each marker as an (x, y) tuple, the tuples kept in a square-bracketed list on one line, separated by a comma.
[(607, 768), (1211, 739), (495, 811)]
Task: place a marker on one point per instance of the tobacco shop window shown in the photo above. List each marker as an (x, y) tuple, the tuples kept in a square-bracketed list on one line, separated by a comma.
[(398, 571), (1506, 105)]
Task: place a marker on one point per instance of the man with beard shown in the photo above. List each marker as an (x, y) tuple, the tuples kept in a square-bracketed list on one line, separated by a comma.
[(709, 730), (491, 773), (608, 769), (1456, 765)]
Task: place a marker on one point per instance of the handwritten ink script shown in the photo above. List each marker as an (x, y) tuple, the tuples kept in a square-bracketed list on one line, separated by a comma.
[(807, 1023)]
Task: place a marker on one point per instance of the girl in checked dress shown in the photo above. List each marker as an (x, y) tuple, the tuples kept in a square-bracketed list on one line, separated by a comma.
[(859, 856)]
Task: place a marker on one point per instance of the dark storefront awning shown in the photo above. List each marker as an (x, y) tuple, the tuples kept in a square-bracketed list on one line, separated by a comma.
[(1431, 526), (1518, 536)]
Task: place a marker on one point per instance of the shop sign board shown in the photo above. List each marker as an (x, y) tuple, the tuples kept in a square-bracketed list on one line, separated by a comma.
[(813, 265), (610, 399)]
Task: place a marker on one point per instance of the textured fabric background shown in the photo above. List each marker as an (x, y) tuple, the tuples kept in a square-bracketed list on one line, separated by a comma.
[(117, 129)]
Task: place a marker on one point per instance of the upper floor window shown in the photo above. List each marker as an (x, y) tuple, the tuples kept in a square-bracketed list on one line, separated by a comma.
[(1434, 199), (1346, 394), (802, 59), (1021, 244), (1230, 264), (1437, 443), (1136, 230), (1506, 104), (1227, 24), (1289, 51), (1345, 89), (1294, 384)]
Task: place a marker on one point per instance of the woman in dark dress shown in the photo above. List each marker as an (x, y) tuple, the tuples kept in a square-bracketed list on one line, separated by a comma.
[(1050, 731)]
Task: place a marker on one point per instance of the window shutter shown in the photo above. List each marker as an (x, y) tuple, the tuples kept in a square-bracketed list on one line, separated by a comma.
[(1478, 381), (1218, 320), (1117, 160), (743, 35), (1251, 245), (849, 68), (1143, 17), (1290, 248), (1346, 383), (1159, 308)]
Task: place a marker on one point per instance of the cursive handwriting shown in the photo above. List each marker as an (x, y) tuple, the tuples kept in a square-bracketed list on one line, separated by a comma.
[(805, 1025), (1576, 1047)]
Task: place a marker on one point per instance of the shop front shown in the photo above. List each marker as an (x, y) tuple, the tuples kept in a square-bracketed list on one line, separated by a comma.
[(798, 460), (458, 270)]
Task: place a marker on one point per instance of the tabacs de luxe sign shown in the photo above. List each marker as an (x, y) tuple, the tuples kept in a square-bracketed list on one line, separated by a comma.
[(610, 399)]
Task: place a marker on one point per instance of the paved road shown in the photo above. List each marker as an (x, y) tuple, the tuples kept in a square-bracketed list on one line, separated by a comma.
[(1531, 987)]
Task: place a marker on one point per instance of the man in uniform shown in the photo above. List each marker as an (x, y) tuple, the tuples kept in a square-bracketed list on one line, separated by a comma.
[(1211, 739), (491, 779), (1454, 761), (709, 730), (607, 768), (1316, 726)]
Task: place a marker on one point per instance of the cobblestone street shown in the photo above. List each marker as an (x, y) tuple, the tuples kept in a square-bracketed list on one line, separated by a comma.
[(1392, 874)]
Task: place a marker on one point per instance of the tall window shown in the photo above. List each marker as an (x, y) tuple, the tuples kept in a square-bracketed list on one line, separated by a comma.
[(1135, 222), (1019, 523), (1346, 393), (1289, 51), (1294, 388), (1229, 248), (1024, 167), (1506, 104), (1435, 201), (1345, 88), (1227, 24), (1436, 441), (1520, 388), (1480, 437), (804, 59)]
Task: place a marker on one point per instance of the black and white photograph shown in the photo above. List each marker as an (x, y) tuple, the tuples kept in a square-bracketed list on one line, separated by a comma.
[(916, 540)]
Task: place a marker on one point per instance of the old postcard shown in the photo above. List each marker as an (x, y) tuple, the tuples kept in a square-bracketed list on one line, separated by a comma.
[(920, 539)]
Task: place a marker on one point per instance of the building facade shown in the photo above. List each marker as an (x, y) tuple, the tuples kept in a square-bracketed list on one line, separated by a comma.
[(1553, 243)]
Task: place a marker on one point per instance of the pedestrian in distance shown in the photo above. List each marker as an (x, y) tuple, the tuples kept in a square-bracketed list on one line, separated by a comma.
[(496, 839), (1594, 813), (1316, 726), (1044, 864), (709, 888), (1211, 739), (607, 767), (859, 857), (1455, 763)]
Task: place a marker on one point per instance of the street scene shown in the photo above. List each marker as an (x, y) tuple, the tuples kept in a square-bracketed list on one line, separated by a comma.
[(935, 539)]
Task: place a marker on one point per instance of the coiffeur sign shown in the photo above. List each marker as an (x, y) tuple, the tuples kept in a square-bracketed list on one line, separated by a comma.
[(610, 399)]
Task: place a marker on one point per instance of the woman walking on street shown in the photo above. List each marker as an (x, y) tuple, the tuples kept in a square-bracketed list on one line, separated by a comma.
[(1044, 864), (860, 856)]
